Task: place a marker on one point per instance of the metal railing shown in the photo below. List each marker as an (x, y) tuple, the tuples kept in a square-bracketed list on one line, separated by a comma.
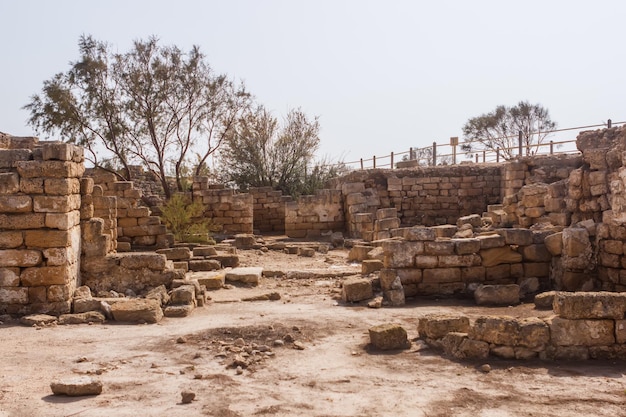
[(433, 155)]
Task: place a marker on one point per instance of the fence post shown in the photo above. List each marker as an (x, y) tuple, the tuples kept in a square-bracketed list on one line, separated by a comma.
[(374, 161), (434, 153), (476, 155), (551, 147), (391, 160), (484, 156), (609, 123), (497, 154), (361, 164), (410, 153), (519, 142)]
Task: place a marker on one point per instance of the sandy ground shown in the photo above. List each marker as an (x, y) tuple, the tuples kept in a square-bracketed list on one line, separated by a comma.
[(145, 368)]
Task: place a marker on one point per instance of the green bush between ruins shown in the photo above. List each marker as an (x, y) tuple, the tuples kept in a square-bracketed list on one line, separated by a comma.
[(185, 220)]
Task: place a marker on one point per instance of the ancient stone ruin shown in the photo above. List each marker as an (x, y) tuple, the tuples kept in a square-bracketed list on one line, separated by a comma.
[(72, 242)]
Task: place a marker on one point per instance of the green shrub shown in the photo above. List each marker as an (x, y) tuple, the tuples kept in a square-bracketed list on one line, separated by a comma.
[(185, 220)]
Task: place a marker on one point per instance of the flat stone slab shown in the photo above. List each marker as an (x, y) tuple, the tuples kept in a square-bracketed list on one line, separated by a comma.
[(76, 386), (388, 337), (211, 280), (138, 310), (37, 319), (247, 275), (82, 318)]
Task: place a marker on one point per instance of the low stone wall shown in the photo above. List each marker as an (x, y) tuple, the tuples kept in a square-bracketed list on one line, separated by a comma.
[(314, 215), (232, 212), (586, 326), (269, 209), (39, 226), (430, 261)]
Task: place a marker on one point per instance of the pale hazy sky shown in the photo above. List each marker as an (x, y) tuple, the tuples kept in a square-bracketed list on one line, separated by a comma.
[(382, 75)]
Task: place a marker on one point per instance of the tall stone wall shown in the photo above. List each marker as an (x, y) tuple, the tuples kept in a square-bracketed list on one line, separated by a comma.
[(40, 235)]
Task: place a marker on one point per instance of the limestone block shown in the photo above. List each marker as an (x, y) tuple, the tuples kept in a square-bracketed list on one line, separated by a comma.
[(615, 247), (436, 326), (137, 310), (450, 261), (473, 219), (204, 265), (62, 152), (185, 294), (554, 243), (86, 186), (204, 251), (246, 275), (56, 204), (536, 269), (386, 224), (460, 346), (446, 230), (152, 261), (127, 222), (529, 285), (60, 256), (501, 255), (395, 297), (497, 294), (76, 386), (179, 310), (439, 247), (536, 253), (148, 220), (11, 239), (61, 186), (499, 330), (590, 305), (175, 254), (227, 261), (376, 253), (83, 305), (62, 221), (212, 281), (426, 261), (534, 333), (490, 241), (50, 169), (306, 252), (9, 277), (356, 289), (386, 213), (565, 332), (545, 300), (9, 183), (441, 275), (369, 266), (466, 246), (13, 295), (47, 275), (388, 337), (473, 274), (82, 318), (49, 238), (521, 237), (20, 258), (16, 204), (576, 242), (401, 254), (244, 241), (31, 185)]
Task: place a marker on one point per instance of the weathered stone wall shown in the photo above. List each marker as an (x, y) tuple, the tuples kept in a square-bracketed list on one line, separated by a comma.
[(269, 209), (314, 215), (586, 326), (431, 261), (40, 235), (136, 227), (231, 211)]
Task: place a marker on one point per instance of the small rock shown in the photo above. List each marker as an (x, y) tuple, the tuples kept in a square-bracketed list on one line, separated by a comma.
[(279, 342), (486, 368), (181, 339), (298, 346), (239, 342), (187, 396), (288, 338), (376, 303), (239, 370)]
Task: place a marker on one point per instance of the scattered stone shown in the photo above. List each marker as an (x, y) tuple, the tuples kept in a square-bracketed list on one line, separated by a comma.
[(82, 292), (388, 337), (247, 275), (181, 339), (369, 266), (180, 310), (544, 300), (76, 386), (82, 318), (306, 252), (187, 397), (377, 302), (486, 368), (272, 296), (298, 345), (497, 294), (38, 320), (159, 293), (357, 289), (278, 342), (137, 311)]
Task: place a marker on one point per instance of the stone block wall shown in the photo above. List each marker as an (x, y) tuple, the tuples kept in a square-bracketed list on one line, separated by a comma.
[(315, 215), (430, 263), (136, 227), (269, 209), (231, 211), (40, 235), (587, 325)]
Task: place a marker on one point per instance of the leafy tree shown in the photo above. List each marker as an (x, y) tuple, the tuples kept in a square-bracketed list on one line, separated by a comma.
[(262, 152), (498, 131), (152, 105)]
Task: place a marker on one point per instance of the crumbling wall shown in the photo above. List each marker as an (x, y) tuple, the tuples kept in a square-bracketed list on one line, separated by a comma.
[(231, 211), (314, 215), (40, 236), (269, 209)]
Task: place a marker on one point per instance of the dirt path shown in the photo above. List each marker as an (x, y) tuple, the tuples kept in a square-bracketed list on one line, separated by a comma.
[(144, 368)]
